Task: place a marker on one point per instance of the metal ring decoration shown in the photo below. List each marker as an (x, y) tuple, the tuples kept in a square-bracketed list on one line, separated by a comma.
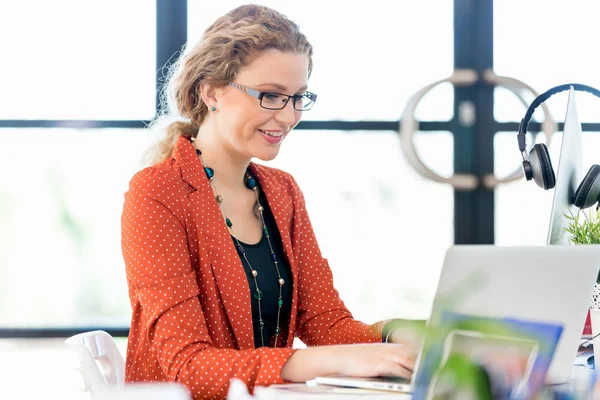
[(466, 77), (409, 125)]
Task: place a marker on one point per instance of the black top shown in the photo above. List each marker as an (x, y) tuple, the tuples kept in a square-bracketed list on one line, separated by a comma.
[(259, 255)]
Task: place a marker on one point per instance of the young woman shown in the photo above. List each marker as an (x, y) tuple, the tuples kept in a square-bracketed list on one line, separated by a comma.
[(222, 263)]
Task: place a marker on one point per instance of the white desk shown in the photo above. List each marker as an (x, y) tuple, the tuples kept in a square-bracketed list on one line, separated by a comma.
[(581, 380)]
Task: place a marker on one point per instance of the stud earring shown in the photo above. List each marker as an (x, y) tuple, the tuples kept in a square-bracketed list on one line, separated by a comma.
[(213, 108)]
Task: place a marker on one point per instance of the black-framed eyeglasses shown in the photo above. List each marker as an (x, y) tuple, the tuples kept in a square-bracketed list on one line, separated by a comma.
[(277, 101)]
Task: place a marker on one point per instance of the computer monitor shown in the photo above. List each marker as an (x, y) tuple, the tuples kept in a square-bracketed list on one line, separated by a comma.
[(568, 176)]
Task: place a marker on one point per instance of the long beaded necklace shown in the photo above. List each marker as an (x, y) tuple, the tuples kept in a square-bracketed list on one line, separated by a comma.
[(251, 184)]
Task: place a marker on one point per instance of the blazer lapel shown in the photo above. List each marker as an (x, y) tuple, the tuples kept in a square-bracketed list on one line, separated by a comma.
[(213, 234), (281, 204)]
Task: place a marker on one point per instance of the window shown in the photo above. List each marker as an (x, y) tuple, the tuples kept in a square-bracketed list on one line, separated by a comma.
[(382, 227), (60, 209), (69, 59), (546, 44)]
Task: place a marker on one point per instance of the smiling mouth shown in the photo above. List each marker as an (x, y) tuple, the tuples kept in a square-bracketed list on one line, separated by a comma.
[(272, 137), (274, 134)]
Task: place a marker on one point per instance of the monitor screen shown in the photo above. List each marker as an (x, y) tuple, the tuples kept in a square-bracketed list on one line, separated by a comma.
[(569, 174)]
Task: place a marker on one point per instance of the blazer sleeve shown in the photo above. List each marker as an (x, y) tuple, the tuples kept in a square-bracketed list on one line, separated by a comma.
[(160, 274), (323, 319)]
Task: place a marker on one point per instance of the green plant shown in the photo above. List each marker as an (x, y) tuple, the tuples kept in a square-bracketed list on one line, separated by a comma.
[(584, 230)]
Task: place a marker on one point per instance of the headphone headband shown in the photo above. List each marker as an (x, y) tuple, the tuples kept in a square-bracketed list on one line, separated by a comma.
[(542, 98)]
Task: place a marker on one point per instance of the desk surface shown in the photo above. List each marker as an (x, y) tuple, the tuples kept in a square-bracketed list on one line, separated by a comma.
[(581, 381), (301, 390)]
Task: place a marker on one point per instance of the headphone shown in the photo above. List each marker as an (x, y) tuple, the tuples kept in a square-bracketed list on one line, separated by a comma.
[(537, 164)]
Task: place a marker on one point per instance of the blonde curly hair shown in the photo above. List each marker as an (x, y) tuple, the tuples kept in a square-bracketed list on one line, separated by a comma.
[(227, 45)]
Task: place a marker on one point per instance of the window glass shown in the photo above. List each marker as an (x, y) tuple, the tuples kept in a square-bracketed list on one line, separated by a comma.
[(69, 59), (60, 209), (545, 44)]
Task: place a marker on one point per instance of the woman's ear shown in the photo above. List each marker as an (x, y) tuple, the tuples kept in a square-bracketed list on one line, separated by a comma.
[(208, 93)]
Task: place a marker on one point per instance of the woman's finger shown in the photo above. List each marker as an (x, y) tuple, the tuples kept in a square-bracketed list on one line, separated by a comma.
[(391, 368), (402, 356)]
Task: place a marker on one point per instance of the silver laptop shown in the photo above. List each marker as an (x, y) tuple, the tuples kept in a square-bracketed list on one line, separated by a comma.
[(551, 284)]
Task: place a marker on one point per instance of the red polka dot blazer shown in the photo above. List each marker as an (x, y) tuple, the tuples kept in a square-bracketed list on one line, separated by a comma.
[(191, 319)]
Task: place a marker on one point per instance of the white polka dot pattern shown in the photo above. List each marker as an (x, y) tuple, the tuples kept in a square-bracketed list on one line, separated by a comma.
[(191, 319)]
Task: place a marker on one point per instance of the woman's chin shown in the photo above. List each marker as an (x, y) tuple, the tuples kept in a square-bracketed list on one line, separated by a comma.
[(266, 157), (267, 154)]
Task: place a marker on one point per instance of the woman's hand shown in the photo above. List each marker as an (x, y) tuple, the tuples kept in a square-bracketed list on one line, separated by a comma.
[(358, 360), (376, 359)]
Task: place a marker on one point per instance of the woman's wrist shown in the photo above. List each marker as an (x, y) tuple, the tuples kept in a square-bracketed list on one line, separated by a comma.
[(307, 364)]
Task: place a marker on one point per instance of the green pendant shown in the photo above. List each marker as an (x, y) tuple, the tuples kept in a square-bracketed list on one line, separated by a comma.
[(280, 302), (258, 294), (228, 222)]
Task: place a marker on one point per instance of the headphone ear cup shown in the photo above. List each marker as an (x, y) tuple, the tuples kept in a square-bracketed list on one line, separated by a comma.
[(541, 167), (588, 191)]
